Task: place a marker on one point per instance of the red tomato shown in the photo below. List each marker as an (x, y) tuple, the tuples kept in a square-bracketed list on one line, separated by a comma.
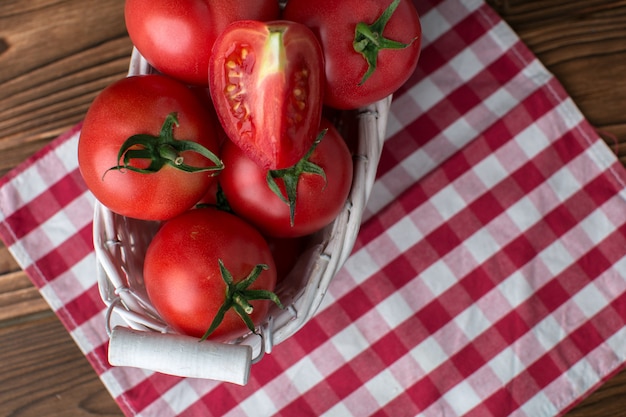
[(267, 82), (185, 282), (144, 105), (176, 36), (318, 200), (336, 22)]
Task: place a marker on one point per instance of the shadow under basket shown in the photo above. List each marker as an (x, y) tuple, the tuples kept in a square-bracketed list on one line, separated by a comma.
[(140, 338)]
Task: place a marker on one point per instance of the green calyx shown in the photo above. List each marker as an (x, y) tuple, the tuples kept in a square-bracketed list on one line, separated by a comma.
[(163, 150), (291, 176), (238, 297), (369, 40)]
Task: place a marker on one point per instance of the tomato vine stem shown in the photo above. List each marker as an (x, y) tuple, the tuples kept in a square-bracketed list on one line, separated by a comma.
[(162, 150), (291, 176), (238, 297), (369, 40)]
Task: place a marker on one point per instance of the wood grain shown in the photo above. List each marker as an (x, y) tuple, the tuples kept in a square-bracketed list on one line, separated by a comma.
[(56, 55), (44, 374)]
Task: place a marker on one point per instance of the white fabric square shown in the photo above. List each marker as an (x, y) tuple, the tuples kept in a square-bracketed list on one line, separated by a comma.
[(466, 64), (460, 133), (462, 398), (472, 322), (556, 257), (597, 226), (433, 26), (58, 228), (303, 375), (524, 214), (394, 310), (360, 265), (429, 355), (404, 234), (349, 342), (481, 245), (438, 278), (69, 147), (564, 183), (417, 165), (490, 171), (590, 300), (506, 365), (548, 332), (448, 202), (516, 289), (426, 93), (384, 387), (500, 102), (532, 141), (258, 404), (180, 397)]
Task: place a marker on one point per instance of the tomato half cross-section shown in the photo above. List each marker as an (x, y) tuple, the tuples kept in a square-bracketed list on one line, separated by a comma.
[(267, 82), (148, 149), (209, 273), (371, 47)]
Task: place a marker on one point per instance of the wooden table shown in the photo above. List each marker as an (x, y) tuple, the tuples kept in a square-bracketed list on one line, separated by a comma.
[(55, 56)]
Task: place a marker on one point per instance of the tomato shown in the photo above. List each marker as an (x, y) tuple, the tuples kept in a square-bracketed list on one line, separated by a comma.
[(176, 36), (125, 121), (187, 285), (318, 198), (342, 28), (267, 82)]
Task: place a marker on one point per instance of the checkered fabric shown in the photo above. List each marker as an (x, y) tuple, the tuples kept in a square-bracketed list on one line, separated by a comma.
[(488, 278)]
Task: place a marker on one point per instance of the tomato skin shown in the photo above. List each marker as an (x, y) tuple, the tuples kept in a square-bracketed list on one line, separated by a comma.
[(182, 275), (139, 105), (334, 24), (318, 202), (176, 36), (267, 83)]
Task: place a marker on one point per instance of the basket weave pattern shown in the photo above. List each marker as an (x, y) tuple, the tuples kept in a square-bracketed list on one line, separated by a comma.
[(121, 243)]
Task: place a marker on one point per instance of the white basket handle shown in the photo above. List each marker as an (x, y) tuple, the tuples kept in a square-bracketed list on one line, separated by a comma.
[(180, 355)]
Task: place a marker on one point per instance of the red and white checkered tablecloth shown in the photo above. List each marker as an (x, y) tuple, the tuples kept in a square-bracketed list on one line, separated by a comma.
[(488, 279)]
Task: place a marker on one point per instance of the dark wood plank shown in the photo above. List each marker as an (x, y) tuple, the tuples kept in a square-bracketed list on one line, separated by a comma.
[(55, 56), (53, 381), (19, 299)]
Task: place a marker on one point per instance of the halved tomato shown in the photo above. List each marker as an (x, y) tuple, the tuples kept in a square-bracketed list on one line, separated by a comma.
[(267, 83)]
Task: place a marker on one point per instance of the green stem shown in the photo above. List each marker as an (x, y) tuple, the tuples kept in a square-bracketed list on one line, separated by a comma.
[(237, 297), (369, 40), (162, 150), (291, 176)]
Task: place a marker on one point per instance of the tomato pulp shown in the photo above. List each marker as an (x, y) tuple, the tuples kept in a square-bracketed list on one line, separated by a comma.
[(266, 81)]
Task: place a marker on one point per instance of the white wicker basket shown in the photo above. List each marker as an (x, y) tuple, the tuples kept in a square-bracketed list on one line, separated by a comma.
[(139, 338)]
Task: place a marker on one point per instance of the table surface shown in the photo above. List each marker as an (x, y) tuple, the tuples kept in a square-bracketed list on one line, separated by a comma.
[(55, 56)]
